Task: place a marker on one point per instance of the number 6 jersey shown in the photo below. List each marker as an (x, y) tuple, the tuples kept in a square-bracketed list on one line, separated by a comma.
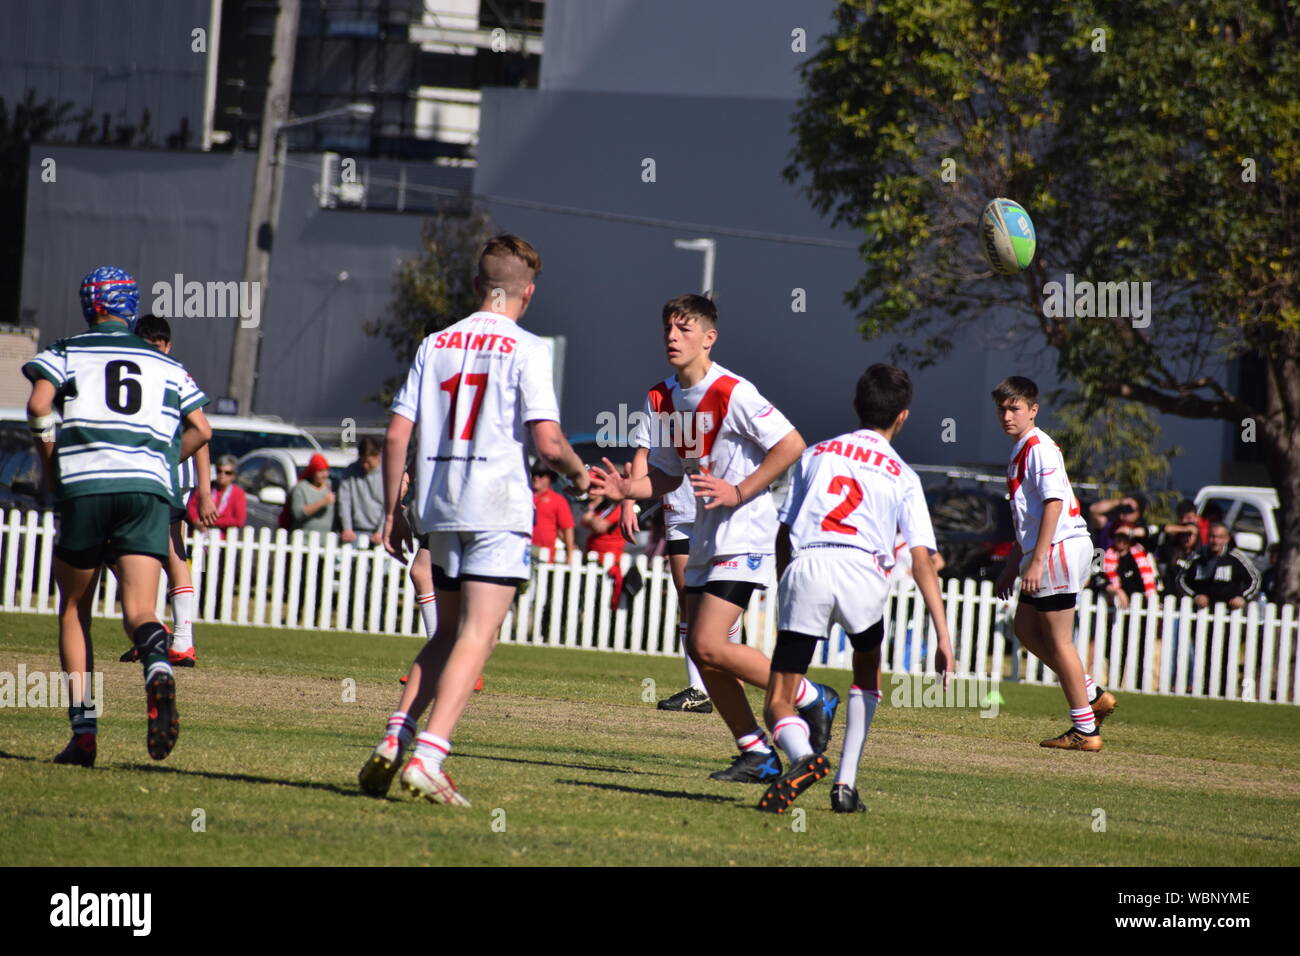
[(470, 391), (122, 402), (855, 490)]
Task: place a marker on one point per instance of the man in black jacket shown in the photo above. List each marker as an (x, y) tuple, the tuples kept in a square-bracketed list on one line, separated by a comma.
[(1217, 574)]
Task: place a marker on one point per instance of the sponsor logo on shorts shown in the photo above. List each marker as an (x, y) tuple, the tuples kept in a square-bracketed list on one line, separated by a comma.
[(755, 561), (723, 563)]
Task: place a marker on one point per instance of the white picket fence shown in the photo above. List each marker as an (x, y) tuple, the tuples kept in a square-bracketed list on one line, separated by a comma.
[(277, 579)]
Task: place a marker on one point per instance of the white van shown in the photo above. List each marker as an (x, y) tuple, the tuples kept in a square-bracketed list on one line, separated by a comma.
[(1250, 514)]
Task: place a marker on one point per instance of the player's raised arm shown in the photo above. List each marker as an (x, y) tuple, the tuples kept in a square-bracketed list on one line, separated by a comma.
[(609, 483)]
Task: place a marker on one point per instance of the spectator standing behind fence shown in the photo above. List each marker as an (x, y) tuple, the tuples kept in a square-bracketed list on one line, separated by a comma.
[(1268, 587), (1178, 542), (228, 499), (1109, 515), (361, 495), (1186, 526), (311, 502), (1217, 574), (1128, 570), (552, 515), (606, 537)]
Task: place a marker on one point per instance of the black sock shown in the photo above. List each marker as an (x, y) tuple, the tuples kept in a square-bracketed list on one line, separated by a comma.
[(83, 723), (151, 641)]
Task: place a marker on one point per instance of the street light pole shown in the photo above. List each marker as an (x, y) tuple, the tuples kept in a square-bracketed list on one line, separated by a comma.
[(709, 247)]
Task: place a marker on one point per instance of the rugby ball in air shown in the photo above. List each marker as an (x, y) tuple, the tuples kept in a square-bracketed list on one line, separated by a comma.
[(1007, 236)]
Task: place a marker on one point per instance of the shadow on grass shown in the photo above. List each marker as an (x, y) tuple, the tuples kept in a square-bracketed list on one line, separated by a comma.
[(4, 755), (647, 792), (551, 763), (249, 778)]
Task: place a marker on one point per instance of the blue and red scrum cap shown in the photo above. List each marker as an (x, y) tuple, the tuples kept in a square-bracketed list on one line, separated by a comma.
[(110, 291)]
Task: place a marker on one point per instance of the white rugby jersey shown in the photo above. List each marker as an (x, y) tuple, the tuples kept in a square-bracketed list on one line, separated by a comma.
[(679, 504), (725, 424), (122, 402), (1037, 473), (470, 391), (856, 490)]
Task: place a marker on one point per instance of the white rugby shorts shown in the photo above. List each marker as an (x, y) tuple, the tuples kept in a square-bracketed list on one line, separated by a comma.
[(823, 587), (490, 554), (1067, 569), (749, 568)]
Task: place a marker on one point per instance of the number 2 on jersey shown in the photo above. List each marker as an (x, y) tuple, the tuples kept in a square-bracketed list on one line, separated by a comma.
[(852, 491), (474, 380)]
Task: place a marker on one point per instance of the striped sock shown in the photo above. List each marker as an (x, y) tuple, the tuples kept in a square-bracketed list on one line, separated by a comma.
[(791, 735), (432, 750), (81, 722), (861, 709), (1083, 719), (428, 605), (1092, 688), (733, 633), (402, 726), (182, 601), (754, 742), (808, 694)]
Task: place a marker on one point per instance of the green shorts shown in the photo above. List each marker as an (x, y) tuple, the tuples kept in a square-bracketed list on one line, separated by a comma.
[(97, 529)]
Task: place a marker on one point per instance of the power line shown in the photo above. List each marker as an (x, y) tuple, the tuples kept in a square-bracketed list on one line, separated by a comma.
[(674, 224)]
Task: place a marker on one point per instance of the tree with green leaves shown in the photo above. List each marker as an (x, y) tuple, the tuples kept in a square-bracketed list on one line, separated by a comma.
[(1153, 141), (432, 291)]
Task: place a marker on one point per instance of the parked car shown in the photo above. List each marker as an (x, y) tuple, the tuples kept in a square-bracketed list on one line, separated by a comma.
[(238, 435), (1250, 514), (972, 527), (267, 475)]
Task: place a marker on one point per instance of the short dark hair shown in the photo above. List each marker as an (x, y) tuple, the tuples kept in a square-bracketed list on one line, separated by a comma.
[(883, 393), (692, 306), (1016, 386), (154, 328), (369, 445), (1184, 506), (539, 470), (1141, 500)]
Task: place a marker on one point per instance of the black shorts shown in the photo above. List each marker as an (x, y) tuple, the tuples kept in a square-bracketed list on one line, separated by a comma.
[(794, 651), (1050, 602), (444, 582), (737, 592), (679, 546)]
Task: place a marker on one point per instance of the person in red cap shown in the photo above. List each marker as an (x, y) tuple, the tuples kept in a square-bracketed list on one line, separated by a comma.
[(312, 500)]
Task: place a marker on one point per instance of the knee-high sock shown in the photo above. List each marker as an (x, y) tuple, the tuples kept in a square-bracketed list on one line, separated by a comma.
[(428, 613), (692, 672), (182, 617), (861, 708)]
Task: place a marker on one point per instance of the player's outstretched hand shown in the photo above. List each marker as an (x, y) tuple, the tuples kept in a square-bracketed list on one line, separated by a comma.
[(943, 660), (397, 536), (1006, 583), (710, 486), (608, 482), (628, 522)]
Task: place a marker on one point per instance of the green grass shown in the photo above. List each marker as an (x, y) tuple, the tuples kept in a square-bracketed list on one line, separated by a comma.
[(562, 750)]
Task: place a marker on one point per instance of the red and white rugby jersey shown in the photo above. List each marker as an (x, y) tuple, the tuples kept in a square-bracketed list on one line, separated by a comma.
[(856, 490), (679, 504), (1035, 475), (470, 391), (729, 427)]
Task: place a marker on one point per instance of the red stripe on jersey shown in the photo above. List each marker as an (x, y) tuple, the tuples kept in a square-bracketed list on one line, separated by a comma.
[(1021, 463), (661, 398), (716, 401)]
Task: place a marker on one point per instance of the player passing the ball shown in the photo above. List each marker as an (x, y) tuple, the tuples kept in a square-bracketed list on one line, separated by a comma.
[(734, 444), (475, 393), (1052, 557), (850, 496)]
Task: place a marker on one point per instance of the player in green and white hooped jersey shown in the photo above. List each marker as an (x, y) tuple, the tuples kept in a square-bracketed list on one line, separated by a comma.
[(192, 475), (113, 470)]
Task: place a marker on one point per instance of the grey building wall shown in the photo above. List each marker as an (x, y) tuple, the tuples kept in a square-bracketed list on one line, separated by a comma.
[(159, 213), (118, 58)]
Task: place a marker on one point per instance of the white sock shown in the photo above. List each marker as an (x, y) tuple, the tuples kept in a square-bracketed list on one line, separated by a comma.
[(1090, 686), (1083, 720), (808, 694), (861, 708), (692, 671), (182, 600), (754, 742), (402, 726), (428, 605), (791, 735), (733, 634), (432, 750)]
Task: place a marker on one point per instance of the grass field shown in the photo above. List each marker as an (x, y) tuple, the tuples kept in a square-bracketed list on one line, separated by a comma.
[(565, 764)]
